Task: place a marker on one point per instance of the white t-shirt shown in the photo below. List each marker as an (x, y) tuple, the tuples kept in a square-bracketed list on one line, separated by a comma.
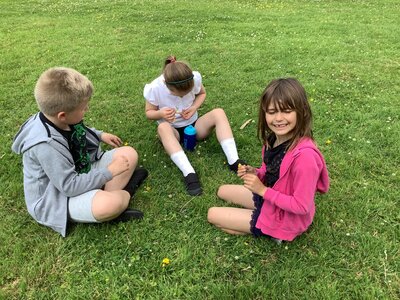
[(158, 94)]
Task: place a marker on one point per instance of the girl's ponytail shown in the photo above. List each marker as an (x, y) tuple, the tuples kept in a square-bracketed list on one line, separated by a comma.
[(170, 59)]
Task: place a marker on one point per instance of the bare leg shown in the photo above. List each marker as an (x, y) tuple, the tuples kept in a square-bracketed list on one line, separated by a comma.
[(169, 137), (109, 205), (231, 219), (236, 194), (217, 118), (214, 119), (120, 181)]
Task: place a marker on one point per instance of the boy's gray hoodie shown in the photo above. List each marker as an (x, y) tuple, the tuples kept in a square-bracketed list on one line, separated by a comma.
[(49, 171)]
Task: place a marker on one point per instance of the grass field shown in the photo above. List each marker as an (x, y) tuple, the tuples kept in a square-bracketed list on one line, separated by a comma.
[(346, 54)]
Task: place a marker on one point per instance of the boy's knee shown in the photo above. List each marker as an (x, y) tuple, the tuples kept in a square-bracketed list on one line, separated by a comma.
[(132, 154), (109, 205), (129, 153)]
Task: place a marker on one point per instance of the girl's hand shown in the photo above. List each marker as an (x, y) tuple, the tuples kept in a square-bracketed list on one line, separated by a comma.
[(253, 184), (111, 139), (250, 170), (118, 165), (245, 169), (241, 170), (188, 112), (168, 114)]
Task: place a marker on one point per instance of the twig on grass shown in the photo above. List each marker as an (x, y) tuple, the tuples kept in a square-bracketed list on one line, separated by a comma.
[(185, 204), (245, 124)]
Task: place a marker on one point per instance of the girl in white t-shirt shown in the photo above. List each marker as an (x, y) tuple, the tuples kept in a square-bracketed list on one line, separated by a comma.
[(173, 99)]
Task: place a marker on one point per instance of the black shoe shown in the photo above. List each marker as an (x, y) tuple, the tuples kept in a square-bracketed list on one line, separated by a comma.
[(193, 184), (127, 215), (234, 167), (138, 176)]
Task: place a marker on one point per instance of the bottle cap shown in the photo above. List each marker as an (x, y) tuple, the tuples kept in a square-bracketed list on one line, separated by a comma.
[(190, 130)]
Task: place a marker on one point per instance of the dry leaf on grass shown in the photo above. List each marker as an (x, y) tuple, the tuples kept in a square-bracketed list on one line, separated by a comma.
[(245, 123)]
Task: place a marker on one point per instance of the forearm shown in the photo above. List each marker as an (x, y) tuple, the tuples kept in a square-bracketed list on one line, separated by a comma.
[(199, 100), (153, 114), (73, 184), (61, 172), (260, 172)]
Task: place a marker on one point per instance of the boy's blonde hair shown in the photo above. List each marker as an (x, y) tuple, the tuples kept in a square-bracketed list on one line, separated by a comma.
[(62, 89)]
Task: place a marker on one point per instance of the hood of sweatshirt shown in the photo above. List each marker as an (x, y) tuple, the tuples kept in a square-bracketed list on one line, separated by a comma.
[(33, 132)]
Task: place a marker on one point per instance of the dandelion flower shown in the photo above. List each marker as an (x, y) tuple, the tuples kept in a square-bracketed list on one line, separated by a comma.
[(328, 141), (165, 262)]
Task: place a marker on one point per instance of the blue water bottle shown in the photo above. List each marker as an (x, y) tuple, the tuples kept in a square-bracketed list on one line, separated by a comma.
[(189, 138)]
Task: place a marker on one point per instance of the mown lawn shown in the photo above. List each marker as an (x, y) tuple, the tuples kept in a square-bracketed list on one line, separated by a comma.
[(346, 54)]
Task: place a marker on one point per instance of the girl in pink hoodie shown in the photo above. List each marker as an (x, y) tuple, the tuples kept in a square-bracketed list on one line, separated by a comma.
[(278, 197)]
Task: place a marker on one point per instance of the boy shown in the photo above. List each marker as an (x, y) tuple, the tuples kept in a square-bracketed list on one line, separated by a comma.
[(67, 177)]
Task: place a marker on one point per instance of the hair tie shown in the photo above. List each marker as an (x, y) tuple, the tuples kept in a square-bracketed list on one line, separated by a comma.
[(170, 60), (180, 81)]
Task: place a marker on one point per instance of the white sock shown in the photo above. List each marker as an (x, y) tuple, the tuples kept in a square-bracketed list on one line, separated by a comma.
[(182, 162), (229, 148)]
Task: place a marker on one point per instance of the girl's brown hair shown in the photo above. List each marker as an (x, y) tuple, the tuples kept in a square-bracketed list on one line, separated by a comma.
[(178, 75), (286, 94)]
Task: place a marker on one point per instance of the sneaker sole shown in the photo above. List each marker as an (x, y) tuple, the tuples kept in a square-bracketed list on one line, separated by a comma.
[(195, 192)]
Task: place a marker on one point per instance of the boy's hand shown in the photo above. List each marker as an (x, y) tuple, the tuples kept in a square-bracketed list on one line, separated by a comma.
[(188, 112), (118, 165), (253, 184), (111, 139)]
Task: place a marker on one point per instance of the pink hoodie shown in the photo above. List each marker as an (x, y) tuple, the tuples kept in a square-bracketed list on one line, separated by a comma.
[(289, 208)]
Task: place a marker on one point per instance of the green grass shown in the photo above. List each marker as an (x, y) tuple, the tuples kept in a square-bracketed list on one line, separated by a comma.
[(346, 54)]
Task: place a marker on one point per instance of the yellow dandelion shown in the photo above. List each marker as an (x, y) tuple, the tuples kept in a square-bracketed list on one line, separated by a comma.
[(165, 262), (126, 144), (328, 141)]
